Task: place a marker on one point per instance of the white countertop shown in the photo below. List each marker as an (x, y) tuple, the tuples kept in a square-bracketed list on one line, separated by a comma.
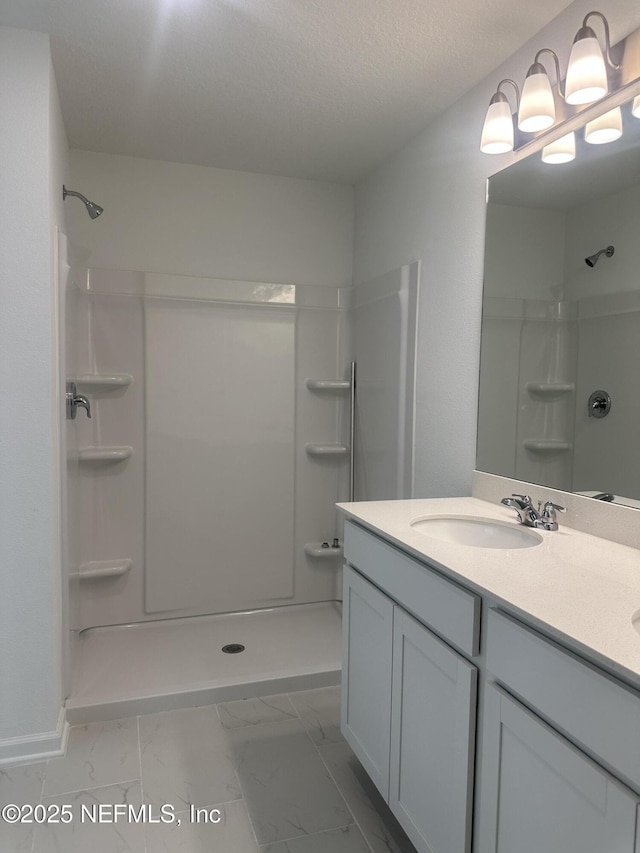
[(582, 589)]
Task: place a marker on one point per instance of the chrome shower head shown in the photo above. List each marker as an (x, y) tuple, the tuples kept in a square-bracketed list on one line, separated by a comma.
[(592, 260), (94, 210)]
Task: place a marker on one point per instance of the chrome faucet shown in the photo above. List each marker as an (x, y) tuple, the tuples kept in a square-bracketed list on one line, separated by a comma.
[(532, 517)]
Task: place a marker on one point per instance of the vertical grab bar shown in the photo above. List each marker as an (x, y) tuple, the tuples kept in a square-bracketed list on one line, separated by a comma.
[(352, 433)]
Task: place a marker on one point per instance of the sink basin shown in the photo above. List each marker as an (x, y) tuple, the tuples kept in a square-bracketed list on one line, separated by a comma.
[(477, 532)]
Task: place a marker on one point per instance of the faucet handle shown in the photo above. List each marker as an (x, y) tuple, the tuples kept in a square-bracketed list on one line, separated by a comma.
[(524, 498), (549, 505)]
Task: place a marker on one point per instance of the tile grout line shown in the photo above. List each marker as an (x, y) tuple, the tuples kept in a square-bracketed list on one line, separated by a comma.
[(44, 778), (144, 828), (355, 821), (92, 788), (246, 805)]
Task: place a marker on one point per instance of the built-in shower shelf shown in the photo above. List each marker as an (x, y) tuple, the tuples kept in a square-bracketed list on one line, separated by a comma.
[(550, 389), (104, 381), (547, 445), (322, 550), (100, 455), (327, 449), (333, 385), (103, 569)]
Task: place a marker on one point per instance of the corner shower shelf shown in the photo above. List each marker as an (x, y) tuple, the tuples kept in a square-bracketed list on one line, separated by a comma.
[(97, 455), (103, 569), (322, 550), (326, 449), (334, 385), (547, 445), (104, 381), (550, 389)]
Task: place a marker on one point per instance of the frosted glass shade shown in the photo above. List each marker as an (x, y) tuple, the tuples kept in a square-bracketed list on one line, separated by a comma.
[(563, 150), (537, 110), (635, 109), (497, 131), (605, 128), (587, 74)]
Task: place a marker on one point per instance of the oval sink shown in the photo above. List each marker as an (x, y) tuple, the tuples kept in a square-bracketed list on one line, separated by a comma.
[(477, 532)]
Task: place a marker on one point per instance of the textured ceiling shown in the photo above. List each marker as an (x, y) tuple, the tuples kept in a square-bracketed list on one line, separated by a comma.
[(309, 88)]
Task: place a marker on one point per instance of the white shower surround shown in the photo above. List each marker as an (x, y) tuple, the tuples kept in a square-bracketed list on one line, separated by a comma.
[(305, 342)]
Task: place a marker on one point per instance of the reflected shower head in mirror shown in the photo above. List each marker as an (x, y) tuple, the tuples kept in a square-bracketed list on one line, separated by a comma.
[(592, 260), (94, 210)]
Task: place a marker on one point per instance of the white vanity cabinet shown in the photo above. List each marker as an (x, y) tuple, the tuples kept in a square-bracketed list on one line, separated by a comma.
[(540, 793), (558, 740), (409, 699)]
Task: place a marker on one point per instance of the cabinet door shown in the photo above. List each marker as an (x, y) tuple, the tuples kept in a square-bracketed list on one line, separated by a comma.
[(432, 739), (367, 637), (540, 793)]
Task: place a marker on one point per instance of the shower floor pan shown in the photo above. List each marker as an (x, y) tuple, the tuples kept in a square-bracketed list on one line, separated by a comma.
[(179, 663)]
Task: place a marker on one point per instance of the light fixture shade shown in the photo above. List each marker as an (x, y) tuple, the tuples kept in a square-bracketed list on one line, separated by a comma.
[(586, 74), (635, 109), (605, 128), (563, 150), (497, 131), (537, 109)]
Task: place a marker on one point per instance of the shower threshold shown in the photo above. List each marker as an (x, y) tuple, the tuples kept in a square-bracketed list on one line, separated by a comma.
[(179, 663)]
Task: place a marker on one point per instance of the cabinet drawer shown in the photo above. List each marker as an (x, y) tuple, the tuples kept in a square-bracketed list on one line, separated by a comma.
[(448, 609), (592, 709)]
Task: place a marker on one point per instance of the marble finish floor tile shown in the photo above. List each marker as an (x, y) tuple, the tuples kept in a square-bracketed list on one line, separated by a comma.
[(19, 786), (320, 711), (186, 759), (349, 839), (286, 786), (379, 826), (97, 754), (83, 836), (233, 834), (253, 712)]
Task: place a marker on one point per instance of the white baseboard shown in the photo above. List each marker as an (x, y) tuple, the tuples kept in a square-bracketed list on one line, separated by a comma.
[(37, 747)]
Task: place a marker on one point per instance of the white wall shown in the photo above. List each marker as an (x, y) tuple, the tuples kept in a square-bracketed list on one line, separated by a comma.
[(194, 220), (32, 152), (428, 203)]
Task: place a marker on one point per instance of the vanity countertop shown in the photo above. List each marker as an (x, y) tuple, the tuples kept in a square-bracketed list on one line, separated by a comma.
[(582, 589)]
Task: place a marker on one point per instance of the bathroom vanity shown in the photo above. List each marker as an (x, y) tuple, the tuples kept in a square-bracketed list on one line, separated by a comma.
[(493, 693)]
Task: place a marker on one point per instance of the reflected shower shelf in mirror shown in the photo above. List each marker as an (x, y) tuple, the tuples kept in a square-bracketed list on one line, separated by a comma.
[(327, 449), (332, 385), (95, 569), (550, 389), (322, 550), (104, 381), (547, 445), (98, 455)]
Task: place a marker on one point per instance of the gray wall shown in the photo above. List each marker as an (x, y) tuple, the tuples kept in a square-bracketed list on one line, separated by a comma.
[(428, 202)]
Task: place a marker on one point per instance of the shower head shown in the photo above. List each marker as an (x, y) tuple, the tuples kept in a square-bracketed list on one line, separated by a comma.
[(94, 210), (592, 260)]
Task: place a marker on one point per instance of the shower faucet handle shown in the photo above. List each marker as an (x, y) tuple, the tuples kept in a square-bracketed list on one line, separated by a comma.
[(74, 400)]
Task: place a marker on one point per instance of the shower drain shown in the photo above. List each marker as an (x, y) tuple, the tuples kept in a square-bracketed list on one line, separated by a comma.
[(233, 648)]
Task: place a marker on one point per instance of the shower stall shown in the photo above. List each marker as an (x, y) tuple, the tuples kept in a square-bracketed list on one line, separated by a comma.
[(205, 547), (203, 487)]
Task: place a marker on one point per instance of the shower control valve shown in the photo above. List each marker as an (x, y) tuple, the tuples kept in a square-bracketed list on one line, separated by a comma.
[(74, 400)]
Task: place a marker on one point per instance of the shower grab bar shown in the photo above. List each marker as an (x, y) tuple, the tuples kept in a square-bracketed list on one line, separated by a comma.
[(352, 433)]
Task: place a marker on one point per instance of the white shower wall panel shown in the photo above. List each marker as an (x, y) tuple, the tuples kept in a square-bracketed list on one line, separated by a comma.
[(219, 456)]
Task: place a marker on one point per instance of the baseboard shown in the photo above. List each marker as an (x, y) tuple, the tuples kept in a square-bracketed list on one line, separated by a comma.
[(38, 747)]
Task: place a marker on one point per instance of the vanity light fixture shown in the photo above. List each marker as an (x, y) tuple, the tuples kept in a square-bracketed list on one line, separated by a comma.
[(563, 150), (587, 73), (604, 128), (497, 131), (537, 108), (544, 107)]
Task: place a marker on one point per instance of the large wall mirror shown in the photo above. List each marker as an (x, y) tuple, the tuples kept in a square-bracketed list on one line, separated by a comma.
[(560, 355)]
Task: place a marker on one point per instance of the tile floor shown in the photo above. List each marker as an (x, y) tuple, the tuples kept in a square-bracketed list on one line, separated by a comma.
[(276, 769)]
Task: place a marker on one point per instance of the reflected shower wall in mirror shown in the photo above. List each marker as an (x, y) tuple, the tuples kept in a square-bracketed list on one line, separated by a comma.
[(556, 329)]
